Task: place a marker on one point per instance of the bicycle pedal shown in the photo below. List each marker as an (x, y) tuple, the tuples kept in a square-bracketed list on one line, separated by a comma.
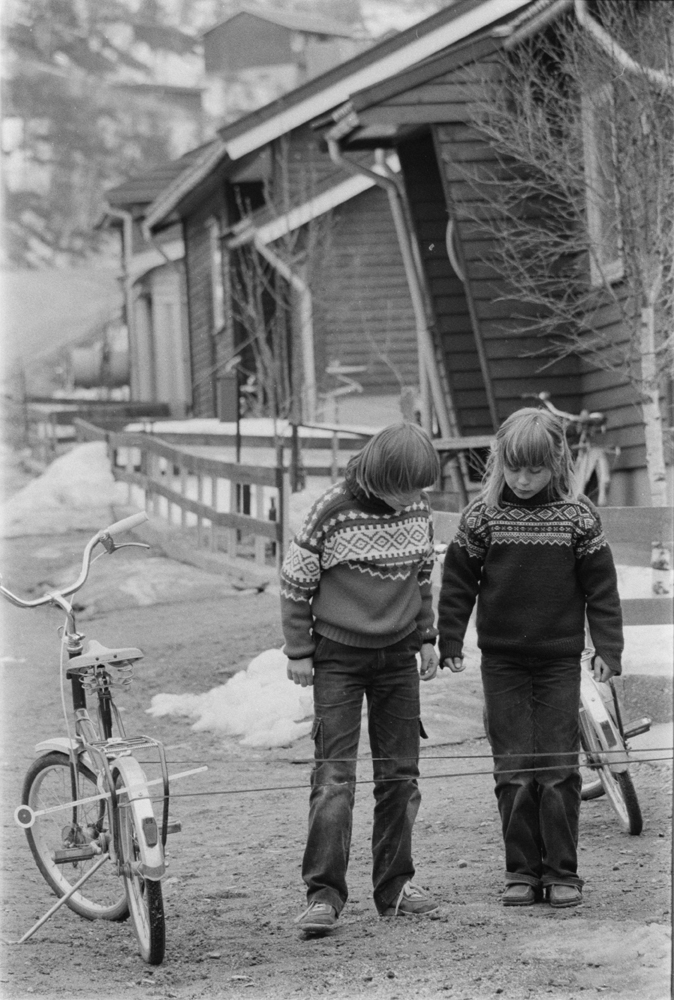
[(175, 826), (637, 727), (71, 854)]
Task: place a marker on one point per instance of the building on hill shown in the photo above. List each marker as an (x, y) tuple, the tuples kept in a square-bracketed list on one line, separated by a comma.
[(256, 54)]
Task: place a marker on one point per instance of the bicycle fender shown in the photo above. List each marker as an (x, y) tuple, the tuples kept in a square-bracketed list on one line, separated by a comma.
[(604, 727), (61, 743), (152, 864)]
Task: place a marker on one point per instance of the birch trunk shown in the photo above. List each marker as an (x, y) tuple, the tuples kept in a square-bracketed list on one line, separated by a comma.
[(655, 451)]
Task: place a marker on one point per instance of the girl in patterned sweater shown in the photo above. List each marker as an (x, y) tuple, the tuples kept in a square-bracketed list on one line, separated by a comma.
[(356, 608), (532, 552)]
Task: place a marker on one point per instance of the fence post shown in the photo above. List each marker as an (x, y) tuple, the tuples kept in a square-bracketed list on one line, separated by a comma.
[(233, 508), (200, 499), (260, 540), (283, 481), (183, 493), (214, 505)]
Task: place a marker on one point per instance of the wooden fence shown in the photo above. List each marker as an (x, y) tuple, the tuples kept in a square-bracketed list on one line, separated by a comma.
[(205, 496)]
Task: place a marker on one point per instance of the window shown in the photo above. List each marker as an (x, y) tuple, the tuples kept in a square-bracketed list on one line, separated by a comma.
[(217, 276), (603, 206)]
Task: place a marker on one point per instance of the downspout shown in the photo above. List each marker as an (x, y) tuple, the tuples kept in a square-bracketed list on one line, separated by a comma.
[(606, 42), (306, 318), (381, 162), (428, 374), (127, 243)]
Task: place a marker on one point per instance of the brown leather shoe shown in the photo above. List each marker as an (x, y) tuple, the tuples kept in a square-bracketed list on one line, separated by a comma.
[(564, 895), (519, 894)]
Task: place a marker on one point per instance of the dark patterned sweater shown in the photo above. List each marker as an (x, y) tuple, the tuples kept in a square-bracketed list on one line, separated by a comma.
[(536, 567), (358, 572)]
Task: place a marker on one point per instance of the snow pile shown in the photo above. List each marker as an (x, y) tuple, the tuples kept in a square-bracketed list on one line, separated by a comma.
[(75, 493), (259, 704)]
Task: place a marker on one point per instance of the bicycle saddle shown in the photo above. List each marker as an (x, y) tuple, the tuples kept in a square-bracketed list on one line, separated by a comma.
[(94, 652)]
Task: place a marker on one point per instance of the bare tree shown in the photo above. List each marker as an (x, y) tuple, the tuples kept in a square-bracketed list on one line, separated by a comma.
[(267, 283), (578, 206)]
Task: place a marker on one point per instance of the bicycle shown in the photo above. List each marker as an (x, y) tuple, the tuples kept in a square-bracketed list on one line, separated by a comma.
[(591, 463), (603, 738), (109, 832)]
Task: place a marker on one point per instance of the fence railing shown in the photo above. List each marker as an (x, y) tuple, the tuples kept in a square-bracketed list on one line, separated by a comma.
[(228, 507)]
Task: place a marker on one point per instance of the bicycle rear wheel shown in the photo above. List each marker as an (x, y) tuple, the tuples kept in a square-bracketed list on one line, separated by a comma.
[(618, 787), (79, 830), (623, 797), (144, 895)]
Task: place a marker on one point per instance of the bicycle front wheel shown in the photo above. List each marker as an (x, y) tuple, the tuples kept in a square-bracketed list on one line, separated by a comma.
[(67, 842), (146, 904)]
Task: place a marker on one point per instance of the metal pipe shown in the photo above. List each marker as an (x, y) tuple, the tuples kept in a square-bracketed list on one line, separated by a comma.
[(127, 251), (428, 374)]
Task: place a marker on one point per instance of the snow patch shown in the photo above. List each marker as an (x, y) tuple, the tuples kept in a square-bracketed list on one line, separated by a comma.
[(75, 493), (258, 704)]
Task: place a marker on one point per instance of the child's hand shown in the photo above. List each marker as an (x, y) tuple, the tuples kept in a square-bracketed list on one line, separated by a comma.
[(601, 670), (301, 671), (455, 663), (429, 662)]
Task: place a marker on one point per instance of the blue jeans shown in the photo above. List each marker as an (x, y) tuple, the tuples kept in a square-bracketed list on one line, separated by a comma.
[(389, 679), (532, 722)]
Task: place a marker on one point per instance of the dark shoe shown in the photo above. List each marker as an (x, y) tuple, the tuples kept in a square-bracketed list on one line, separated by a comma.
[(411, 900), (519, 894), (564, 895), (318, 918)]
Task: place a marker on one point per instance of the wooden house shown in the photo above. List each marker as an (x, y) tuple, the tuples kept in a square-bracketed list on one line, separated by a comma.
[(265, 52), (154, 290), (268, 176), (425, 115)]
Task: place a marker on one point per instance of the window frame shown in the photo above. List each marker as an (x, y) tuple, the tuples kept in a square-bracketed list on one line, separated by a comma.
[(604, 267), (218, 282)]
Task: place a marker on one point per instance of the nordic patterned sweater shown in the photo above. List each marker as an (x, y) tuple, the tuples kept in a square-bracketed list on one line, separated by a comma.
[(536, 567), (358, 572)]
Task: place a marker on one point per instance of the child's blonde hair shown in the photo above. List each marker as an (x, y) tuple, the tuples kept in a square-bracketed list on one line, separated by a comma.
[(530, 437), (397, 460)]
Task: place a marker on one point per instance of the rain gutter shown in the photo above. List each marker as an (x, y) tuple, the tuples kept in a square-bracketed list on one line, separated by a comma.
[(428, 373), (127, 277)]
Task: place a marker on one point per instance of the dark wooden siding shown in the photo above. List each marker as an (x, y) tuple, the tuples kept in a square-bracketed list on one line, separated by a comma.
[(301, 168), (447, 102), (510, 351), (363, 312), (453, 327), (611, 393), (200, 307)]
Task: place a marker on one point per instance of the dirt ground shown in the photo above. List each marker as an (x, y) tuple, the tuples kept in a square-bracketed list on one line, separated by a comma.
[(234, 883)]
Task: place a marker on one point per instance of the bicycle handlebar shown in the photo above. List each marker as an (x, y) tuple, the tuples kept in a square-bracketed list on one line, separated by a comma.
[(585, 418), (109, 533)]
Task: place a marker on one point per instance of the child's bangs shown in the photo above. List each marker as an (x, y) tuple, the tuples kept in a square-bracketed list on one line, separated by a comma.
[(529, 445)]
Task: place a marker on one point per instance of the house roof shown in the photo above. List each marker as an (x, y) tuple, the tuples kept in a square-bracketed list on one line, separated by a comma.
[(145, 188), (478, 46), (266, 226), (333, 88), (382, 61), (314, 24)]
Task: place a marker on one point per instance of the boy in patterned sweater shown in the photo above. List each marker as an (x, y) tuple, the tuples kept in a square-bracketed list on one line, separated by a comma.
[(356, 607)]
